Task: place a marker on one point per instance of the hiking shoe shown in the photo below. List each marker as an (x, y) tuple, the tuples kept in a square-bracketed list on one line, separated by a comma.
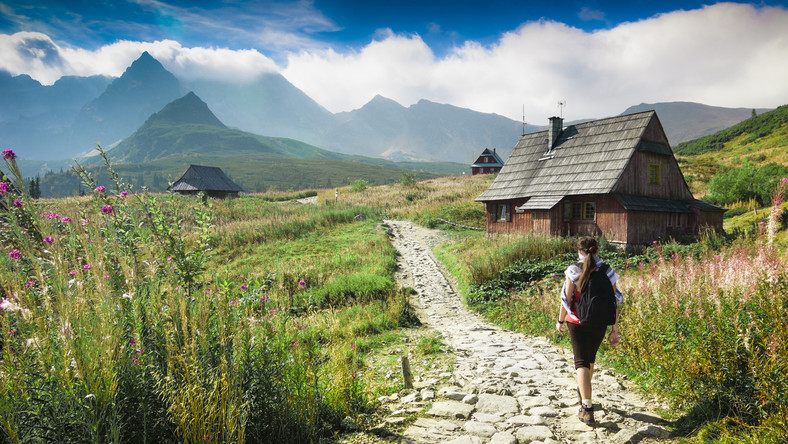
[(586, 414)]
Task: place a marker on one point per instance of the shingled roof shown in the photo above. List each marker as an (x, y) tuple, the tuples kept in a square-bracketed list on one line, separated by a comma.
[(205, 178), (587, 158)]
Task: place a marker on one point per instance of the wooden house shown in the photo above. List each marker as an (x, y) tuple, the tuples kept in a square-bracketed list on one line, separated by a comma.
[(615, 177), (488, 162), (210, 180)]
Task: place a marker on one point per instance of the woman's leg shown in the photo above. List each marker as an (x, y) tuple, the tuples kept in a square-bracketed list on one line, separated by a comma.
[(584, 375)]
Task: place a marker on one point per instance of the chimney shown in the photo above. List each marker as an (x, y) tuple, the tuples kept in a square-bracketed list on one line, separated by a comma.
[(493, 150), (554, 131)]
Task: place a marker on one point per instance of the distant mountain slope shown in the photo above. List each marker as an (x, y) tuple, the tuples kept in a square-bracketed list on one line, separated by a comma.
[(685, 121), (269, 106), (38, 118), (187, 126), (424, 131), (143, 89)]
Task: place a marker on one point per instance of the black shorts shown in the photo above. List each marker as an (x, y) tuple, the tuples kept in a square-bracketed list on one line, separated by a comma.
[(585, 343)]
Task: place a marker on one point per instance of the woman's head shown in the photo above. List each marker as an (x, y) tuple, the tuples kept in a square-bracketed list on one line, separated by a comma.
[(587, 245)]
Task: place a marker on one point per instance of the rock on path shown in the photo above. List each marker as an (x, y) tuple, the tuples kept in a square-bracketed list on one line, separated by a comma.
[(507, 388)]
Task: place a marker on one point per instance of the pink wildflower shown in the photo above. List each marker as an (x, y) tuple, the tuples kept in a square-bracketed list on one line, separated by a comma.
[(3, 187), (29, 284), (106, 209), (784, 179), (15, 254), (11, 332), (86, 267), (124, 193), (169, 258), (65, 219), (352, 346), (85, 222), (234, 302), (100, 189), (9, 155), (72, 273), (244, 287), (301, 283), (18, 203), (48, 240), (295, 344)]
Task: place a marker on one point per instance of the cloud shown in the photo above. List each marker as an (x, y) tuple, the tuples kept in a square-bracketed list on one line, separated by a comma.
[(37, 55), (733, 55)]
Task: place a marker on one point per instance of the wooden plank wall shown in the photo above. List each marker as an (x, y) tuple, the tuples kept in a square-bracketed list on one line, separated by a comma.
[(634, 178), (646, 227), (611, 218)]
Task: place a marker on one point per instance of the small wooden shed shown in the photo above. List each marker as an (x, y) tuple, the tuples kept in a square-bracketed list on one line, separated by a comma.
[(615, 177), (488, 162), (210, 180)]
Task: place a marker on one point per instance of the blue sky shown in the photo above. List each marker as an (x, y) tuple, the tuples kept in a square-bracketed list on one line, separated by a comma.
[(492, 56)]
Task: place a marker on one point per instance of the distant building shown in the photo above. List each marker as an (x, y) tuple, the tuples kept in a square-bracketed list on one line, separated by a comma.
[(615, 177), (488, 163), (210, 180)]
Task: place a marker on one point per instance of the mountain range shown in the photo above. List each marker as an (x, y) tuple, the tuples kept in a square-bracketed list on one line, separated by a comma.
[(66, 119)]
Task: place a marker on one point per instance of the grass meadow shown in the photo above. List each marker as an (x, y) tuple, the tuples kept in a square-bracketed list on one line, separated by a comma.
[(136, 317)]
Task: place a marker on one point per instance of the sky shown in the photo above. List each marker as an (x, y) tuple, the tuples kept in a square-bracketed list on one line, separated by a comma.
[(507, 57)]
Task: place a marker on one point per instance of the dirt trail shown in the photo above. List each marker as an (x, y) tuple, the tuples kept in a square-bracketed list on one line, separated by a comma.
[(507, 387)]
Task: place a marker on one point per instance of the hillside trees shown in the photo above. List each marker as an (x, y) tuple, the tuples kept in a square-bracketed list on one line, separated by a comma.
[(745, 183)]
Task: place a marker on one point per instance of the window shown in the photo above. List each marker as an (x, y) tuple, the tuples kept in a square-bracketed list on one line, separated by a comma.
[(670, 219), (567, 211), (503, 212), (589, 209), (678, 220), (654, 174), (577, 208)]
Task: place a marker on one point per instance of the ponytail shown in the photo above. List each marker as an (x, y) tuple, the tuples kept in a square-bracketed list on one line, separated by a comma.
[(590, 248)]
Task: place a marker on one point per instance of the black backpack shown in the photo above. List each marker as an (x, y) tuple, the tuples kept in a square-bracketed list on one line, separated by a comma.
[(597, 304)]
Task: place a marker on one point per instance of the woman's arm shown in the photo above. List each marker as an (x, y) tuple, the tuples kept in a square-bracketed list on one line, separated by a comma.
[(568, 289)]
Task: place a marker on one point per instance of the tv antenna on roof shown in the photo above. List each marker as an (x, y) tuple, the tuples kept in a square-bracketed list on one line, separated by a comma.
[(523, 119), (561, 105)]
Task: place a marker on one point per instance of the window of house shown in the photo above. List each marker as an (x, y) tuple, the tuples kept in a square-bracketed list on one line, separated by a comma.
[(670, 219), (567, 211), (577, 210), (678, 219), (503, 212), (654, 174), (589, 210)]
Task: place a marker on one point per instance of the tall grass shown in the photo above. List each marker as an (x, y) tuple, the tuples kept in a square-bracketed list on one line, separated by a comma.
[(119, 324)]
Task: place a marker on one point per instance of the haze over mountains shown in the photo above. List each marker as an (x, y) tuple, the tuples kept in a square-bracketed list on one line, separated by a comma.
[(66, 119)]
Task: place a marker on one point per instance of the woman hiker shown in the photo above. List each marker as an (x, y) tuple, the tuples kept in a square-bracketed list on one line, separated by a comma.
[(586, 339)]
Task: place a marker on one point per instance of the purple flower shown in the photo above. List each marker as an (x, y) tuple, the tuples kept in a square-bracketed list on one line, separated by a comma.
[(234, 302), (124, 193), (244, 287), (18, 203), (86, 267), (655, 242), (48, 240), (15, 254), (65, 219), (106, 209), (3, 187), (53, 216), (301, 283), (9, 155), (785, 179), (295, 344), (72, 273), (29, 284), (100, 189), (11, 332), (763, 222), (85, 222)]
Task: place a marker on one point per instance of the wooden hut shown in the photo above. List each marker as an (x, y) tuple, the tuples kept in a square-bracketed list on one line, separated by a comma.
[(488, 162), (615, 177), (210, 180)]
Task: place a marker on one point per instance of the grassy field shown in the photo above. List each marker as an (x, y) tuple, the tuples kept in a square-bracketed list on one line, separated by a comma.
[(145, 317)]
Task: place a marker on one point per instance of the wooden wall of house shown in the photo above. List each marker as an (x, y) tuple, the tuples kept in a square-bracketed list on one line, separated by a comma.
[(518, 222), (634, 178), (646, 227), (611, 218), (547, 222), (710, 219)]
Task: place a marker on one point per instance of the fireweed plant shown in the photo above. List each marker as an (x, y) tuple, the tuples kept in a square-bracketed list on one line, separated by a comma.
[(110, 330)]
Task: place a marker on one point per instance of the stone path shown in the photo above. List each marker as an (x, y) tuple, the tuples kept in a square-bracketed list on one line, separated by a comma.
[(506, 387)]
